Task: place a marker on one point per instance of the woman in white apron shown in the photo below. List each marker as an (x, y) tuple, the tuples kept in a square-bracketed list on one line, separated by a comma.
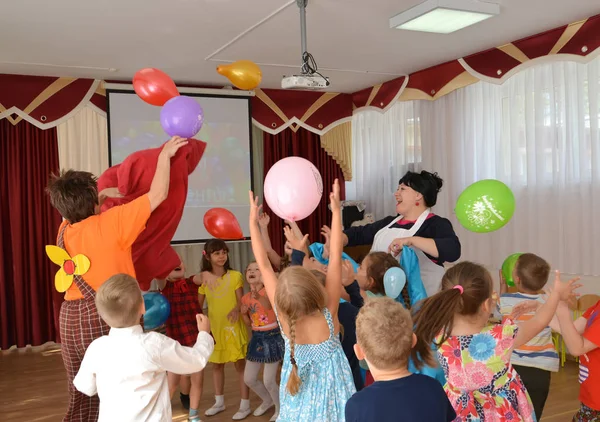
[(431, 236)]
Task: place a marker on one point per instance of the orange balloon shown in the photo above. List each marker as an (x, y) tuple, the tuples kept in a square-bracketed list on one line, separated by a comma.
[(243, 74)]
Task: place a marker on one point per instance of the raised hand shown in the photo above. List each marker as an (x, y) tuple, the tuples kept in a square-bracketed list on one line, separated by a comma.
[(334, 197), (565, 290), (264, 220), (348, 275), (296, 242), (254, 208), (526, 307), (173, 145)]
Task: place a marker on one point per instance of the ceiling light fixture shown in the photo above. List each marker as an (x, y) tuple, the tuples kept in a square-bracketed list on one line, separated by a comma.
[(445, 16)]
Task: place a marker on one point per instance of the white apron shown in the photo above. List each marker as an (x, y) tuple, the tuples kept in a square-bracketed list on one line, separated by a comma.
[(431, 273)]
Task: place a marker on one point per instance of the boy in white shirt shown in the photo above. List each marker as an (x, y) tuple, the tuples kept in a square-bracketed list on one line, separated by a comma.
[(128, 368)]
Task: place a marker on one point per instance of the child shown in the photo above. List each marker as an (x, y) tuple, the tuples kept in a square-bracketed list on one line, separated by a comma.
[(537, 359), (106, 239), (371, 273), (482, 384), (385, 338), (183, 298), (127, 368), (582, 338), (223, 289), (316, 380), (266, 345), (279, 262)]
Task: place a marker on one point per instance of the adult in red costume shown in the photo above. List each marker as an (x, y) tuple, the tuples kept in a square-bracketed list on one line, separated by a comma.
[(153, 256)]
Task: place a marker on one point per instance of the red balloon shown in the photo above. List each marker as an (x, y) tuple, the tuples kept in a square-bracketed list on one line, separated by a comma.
[(222, 224), (154, 86)]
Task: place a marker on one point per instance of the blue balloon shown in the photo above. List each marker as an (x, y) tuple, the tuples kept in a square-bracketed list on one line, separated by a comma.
[(394, 281), (157, 310)]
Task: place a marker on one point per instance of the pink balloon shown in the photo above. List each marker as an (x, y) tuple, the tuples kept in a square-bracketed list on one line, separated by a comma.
[(293, 188)]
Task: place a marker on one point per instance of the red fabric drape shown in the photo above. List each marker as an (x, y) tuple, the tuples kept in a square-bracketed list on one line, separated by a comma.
[(307, 145), (29, 303)]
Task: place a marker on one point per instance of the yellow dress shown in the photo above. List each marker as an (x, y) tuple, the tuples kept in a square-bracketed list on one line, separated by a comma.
[(231, 340)]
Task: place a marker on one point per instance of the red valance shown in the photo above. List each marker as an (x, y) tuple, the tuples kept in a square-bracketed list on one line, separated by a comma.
[(46, 101)]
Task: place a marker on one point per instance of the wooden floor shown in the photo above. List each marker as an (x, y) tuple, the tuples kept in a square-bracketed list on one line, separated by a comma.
[(33, 388)]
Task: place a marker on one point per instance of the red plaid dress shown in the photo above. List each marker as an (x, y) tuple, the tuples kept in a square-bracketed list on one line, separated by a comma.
[(80, 324), (183, 297)]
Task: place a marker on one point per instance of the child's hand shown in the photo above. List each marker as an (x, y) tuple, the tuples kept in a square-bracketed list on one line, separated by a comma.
[(234, 315), (334, 196), (565, 290), (348, 275), (173, 145), (254, 207), (244, 309), (527, 307), (264, 220), (298, 243), (203, 323), (327, 235)]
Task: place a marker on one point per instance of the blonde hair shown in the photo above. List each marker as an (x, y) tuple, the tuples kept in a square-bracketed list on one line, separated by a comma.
[(384, 333), (299, 293), (119, 301)]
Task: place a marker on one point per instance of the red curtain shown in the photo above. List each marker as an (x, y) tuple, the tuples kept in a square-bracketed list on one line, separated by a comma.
[(305, 144), (29, 303)]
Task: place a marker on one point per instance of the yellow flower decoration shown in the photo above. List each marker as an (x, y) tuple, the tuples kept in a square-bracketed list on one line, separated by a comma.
[(69, 267)]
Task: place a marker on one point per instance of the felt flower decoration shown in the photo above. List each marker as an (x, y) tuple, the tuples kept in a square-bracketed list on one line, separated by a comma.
[(69, 267)]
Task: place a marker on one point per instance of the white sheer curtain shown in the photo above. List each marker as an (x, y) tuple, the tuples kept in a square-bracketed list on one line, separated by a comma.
[(83, 145), (539, 133)]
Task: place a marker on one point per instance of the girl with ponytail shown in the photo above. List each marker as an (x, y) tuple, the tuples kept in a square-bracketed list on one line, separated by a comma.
[(475, 356), (316, 381)]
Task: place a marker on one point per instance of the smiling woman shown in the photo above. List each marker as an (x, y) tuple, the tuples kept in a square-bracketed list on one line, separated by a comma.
[(431, 236)]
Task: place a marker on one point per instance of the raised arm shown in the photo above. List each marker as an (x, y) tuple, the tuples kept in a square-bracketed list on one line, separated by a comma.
[(577, 343), (530, 328), (260, 252), (263, 223), (159, 189), (333, 283)]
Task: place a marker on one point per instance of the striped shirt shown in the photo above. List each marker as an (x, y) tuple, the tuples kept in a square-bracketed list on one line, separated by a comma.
[(539, 352)]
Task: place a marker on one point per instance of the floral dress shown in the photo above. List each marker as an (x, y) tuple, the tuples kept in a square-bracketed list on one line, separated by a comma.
[(481, 383)]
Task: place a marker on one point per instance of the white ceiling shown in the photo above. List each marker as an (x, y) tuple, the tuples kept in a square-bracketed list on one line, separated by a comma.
[(350, 39)]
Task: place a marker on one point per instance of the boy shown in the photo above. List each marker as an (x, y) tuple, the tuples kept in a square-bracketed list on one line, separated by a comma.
[(106, 240), (582, 338), (127, 368), (385, 338), (536, 360)]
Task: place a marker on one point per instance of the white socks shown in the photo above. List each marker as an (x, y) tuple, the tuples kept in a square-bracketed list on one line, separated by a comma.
[(244, 404), (218, 407), (219, 401)]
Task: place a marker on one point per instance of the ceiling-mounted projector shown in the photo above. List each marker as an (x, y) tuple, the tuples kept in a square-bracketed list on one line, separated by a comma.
[(309, 78)]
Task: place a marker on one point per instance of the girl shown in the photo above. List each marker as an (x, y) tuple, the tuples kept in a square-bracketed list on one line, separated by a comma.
[(482, 384), (266, 345), (316, 381), (223, 290), (181, 326)]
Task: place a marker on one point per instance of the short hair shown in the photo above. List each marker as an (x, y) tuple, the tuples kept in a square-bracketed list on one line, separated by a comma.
[(533, 271), (74, 194), (119, 301), (384, 333), (426, 183)]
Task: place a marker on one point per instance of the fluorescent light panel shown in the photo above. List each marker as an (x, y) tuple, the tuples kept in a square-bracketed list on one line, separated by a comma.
[(444, 16)]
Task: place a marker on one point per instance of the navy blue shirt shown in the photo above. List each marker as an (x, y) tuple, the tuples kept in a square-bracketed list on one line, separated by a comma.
[(434, 227), (415, 398)]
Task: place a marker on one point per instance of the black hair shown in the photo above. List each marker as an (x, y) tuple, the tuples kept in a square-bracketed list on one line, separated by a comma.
[(426, 183), (210, 247)]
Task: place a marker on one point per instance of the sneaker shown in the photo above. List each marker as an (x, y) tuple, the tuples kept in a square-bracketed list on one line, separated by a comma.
[(185, 400), (214, 410), (241, 414), (263, 408), (274, 417)]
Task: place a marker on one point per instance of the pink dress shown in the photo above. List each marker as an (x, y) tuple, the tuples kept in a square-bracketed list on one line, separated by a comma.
[(481, 383)]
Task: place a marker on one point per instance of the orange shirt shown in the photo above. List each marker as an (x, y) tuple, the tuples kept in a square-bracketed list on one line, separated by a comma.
[(106, 239), (263, 319)]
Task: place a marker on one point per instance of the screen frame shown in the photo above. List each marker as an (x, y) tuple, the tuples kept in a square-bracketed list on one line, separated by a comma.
[(250, 146)]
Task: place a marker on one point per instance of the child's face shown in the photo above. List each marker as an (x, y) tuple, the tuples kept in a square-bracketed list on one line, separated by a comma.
[(362, 278), (219, 258), (177, 273), (253, 275)]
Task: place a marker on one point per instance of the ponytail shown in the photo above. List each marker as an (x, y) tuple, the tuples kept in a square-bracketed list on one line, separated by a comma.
[(434, 316), (294, 381)]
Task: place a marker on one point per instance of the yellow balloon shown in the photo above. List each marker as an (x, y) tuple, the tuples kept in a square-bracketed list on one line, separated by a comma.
[(243, 74)]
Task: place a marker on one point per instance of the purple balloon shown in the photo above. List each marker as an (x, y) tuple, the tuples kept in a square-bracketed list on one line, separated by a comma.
[(182, 116)]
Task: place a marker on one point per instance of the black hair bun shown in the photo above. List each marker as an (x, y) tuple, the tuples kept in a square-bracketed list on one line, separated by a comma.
[(437, 180)]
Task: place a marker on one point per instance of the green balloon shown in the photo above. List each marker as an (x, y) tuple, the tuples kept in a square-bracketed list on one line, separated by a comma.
[(508, 267), (485, 206)]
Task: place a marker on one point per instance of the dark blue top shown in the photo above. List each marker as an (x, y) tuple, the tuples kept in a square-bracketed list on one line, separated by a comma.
[(415, 398), (434, 227)]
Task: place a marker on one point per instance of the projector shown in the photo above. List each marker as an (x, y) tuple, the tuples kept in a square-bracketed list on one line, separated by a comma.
[(305, 82)]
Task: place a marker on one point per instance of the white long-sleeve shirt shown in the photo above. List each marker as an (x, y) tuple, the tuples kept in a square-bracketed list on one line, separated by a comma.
[(127, 369)]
